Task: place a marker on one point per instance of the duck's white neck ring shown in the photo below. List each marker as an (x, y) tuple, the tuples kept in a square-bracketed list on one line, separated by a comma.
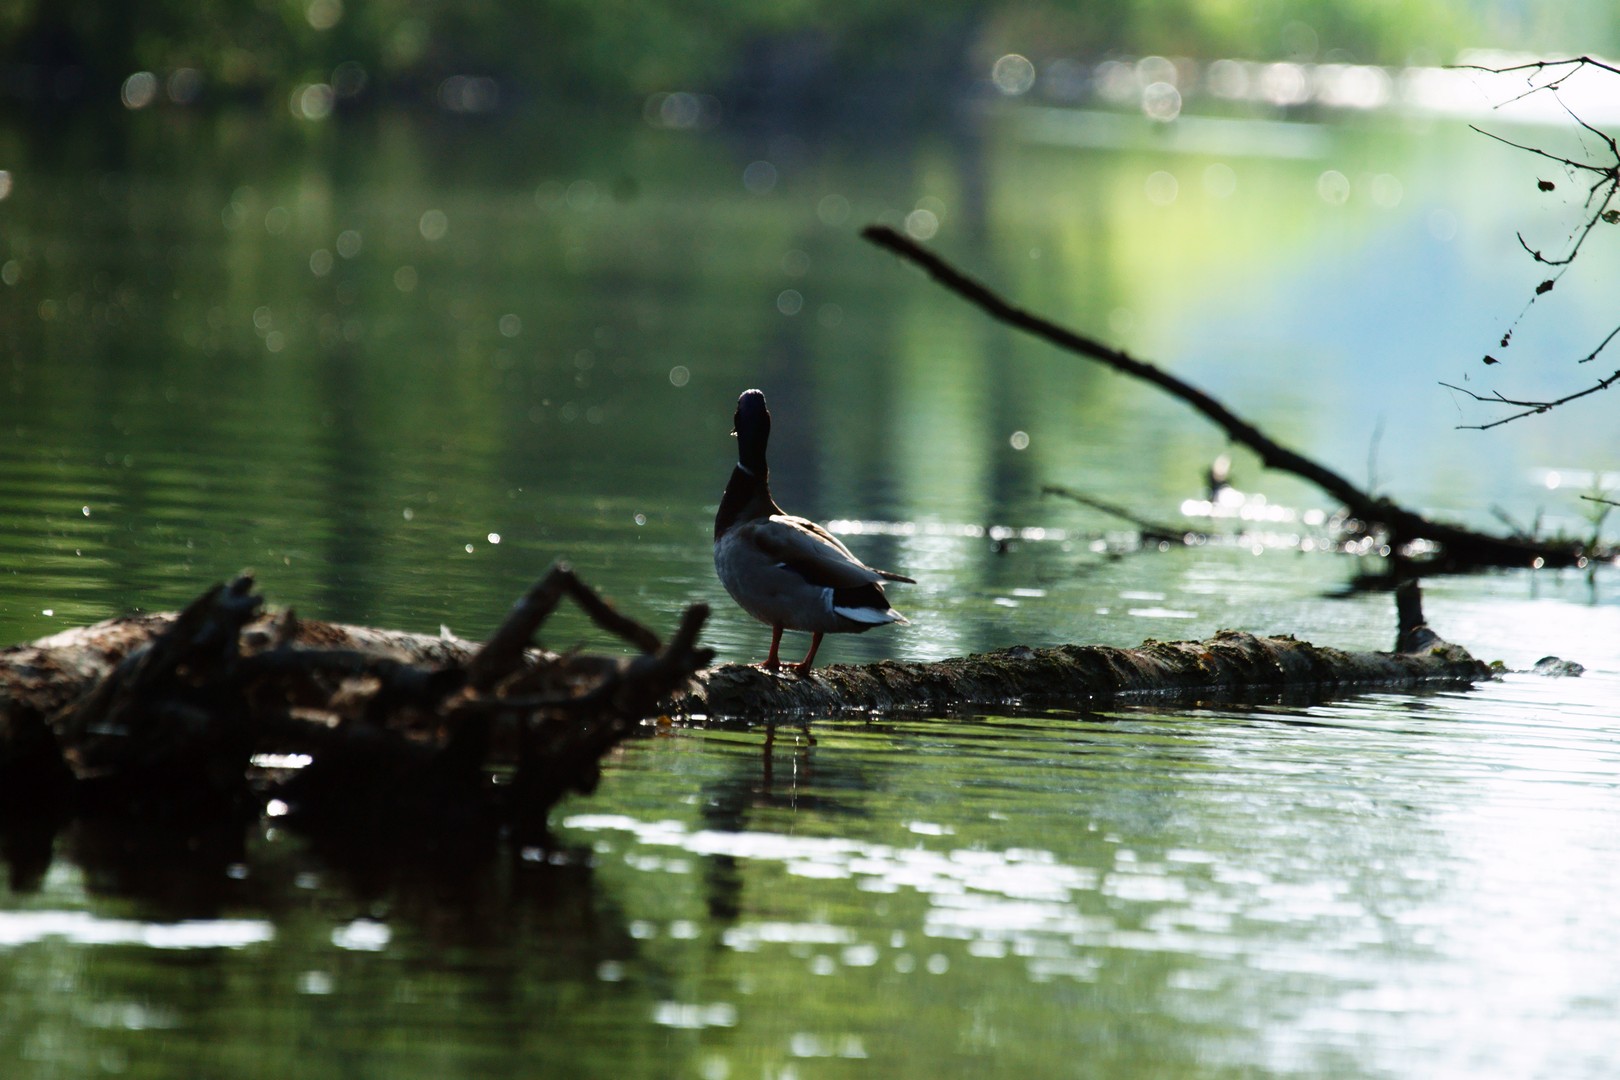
[(743, 468)]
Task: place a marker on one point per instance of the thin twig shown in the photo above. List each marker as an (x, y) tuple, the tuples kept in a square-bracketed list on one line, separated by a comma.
[(1533, 66), (1531, 408), (1571, 162), (1596, 206), (1152, 531)]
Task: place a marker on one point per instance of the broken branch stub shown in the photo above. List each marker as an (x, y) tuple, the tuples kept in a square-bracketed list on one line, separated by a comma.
[(503, 653)]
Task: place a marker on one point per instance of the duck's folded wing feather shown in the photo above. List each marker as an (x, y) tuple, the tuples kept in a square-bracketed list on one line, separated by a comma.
[(812, 552), (822, 534)]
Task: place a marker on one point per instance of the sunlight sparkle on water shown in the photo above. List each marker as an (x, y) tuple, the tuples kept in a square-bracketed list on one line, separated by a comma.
[(362, 935), (83, 928), (693, 1017), (999, 897)]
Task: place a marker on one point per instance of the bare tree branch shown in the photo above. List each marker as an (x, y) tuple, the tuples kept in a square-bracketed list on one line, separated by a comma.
[(1153, 532), (1534, 67), (1462, 545), (1597, 208), (1536, 150)]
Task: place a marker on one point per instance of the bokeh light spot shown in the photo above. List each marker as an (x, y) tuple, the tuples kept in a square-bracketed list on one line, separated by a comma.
[(1228, 79), (469, 94), (1333, 187), (922, 224), (1161, 188), (184, 85), (760, 177), (1013, 74), (789, 302), (1387, 191), (349, 79), (324, 14), (1219, 180), (1161, 101), (581, 195), (139, 90), (1443, 225), (433, 224), (833, 209), (1284, 84), (312, 101)]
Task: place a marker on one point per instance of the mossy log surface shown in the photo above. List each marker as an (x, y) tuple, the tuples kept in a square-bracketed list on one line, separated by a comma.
[(1229, 664)]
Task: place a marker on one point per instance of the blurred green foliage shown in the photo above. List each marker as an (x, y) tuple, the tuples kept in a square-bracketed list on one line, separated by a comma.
[(620, 49)]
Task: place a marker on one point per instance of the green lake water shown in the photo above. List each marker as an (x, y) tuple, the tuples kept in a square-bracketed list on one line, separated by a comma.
[(397, 368)]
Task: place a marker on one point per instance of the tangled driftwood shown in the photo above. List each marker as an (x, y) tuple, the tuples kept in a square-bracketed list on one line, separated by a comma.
[(192, 716)]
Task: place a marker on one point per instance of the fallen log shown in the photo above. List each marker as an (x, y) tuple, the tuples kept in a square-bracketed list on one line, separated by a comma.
[(1230, 666), (221, 712)]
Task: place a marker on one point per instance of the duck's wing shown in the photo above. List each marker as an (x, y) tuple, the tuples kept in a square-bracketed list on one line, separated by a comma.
[(813, 553)]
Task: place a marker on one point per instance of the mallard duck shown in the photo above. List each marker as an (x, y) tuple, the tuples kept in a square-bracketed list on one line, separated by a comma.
[(785, 571)]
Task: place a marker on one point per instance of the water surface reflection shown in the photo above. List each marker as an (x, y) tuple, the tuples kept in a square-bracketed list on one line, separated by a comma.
[(400, 371)]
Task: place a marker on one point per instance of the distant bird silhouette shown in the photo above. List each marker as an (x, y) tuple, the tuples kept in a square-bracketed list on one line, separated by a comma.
[(785, 571)]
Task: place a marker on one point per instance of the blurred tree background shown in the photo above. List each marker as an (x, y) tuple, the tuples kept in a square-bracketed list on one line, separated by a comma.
[(805, 53)]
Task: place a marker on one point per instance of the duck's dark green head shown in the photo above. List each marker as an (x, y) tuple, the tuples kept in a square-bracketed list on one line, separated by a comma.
[(752, 426)]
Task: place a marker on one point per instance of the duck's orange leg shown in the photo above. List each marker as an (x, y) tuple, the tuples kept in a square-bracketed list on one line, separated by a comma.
[(773, 662), (803, 666)]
